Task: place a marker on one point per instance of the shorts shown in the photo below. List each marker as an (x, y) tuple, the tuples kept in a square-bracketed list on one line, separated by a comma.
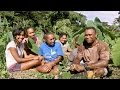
[(14, 67)]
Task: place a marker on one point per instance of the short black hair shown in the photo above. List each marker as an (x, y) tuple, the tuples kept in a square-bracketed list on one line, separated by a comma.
[(62, 34), (45, 35), (16, 32), (93, 28)]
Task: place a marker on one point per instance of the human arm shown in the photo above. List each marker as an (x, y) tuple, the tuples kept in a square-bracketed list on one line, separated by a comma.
[(69, 48), (19, 59), (79, 56), (103, 58)]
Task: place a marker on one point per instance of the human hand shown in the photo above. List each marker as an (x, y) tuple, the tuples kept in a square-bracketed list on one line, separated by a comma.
[(77, 67), (89, 66), (35, 58), (41, 58)]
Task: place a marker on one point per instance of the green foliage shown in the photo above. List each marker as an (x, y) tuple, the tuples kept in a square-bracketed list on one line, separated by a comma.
[(32, 45), (116, 53), (69, 22)]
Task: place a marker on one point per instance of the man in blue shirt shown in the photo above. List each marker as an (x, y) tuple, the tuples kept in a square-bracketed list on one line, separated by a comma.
[(52, 53)]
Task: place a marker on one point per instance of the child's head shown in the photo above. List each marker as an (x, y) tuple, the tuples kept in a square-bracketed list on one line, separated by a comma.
[(29, 32), (18, 34)]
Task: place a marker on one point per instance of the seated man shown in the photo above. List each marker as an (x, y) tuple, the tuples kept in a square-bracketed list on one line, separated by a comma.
[(65, 45), (92, 55), (52, 53)]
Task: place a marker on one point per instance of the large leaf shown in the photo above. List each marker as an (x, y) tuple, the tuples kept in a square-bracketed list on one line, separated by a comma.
[(32, 45), (80, 31), (106, 31), (90, 23), (116, 53)]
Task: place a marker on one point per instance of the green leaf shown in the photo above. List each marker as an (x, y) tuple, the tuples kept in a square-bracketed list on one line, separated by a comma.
[(32, 45), (116, 53)]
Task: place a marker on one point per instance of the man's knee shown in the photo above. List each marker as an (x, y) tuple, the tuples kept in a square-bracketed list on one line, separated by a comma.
[(101, 72)]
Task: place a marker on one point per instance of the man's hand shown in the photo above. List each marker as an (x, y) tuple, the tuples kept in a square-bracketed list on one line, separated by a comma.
[(77, 67), (90, 66)]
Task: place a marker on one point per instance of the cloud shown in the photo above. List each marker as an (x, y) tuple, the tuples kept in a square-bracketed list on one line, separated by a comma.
[(104, 16)]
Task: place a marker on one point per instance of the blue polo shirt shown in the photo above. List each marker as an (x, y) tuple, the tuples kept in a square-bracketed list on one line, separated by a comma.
[(50, 53)]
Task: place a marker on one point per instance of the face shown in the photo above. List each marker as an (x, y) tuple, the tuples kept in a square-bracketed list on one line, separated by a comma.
[(90, 36), (19, 38), (31, 33), (50, 39), (63, 39)]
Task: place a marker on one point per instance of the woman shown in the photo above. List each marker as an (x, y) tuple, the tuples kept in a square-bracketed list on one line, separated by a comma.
[(30, 33), (31, 41), (16, 59)]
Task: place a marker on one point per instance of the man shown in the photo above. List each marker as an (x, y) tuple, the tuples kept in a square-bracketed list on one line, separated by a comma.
[(92, 55), (65, 45), (52, 53)]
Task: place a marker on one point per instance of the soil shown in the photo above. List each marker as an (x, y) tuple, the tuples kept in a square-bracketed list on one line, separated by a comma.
[(114, 73)]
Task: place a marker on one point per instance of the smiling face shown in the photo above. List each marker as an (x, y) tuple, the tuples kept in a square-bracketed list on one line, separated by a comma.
[(19, 38), (90, 36), (50, 39), (63, 39), (31, 32)]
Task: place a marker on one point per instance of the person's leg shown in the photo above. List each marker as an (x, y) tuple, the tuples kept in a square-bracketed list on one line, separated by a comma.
[(55, 70), (14, 67), (77, 67), (100, 72), (30, 64), (43, 68)]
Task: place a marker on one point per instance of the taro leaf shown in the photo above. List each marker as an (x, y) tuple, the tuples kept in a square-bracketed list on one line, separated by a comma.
[(32, 45)]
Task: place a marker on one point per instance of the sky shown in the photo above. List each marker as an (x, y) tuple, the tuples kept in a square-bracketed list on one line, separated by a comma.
[(104, 16)]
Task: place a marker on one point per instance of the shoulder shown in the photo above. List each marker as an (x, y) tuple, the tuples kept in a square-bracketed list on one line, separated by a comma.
[(11, 43), (58, 41), (42, 44), (102, 44), (57, 44)]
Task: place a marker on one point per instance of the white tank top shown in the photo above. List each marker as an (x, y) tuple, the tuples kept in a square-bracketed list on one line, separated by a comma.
[(9, 58)]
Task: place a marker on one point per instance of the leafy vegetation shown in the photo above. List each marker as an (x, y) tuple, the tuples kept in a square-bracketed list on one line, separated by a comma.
[(70, 22)]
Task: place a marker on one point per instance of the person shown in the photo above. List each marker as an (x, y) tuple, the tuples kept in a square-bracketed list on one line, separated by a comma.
[(30, 35), (16, 59), (52, 53), (74, 52), (93, 55), (65, 45)]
